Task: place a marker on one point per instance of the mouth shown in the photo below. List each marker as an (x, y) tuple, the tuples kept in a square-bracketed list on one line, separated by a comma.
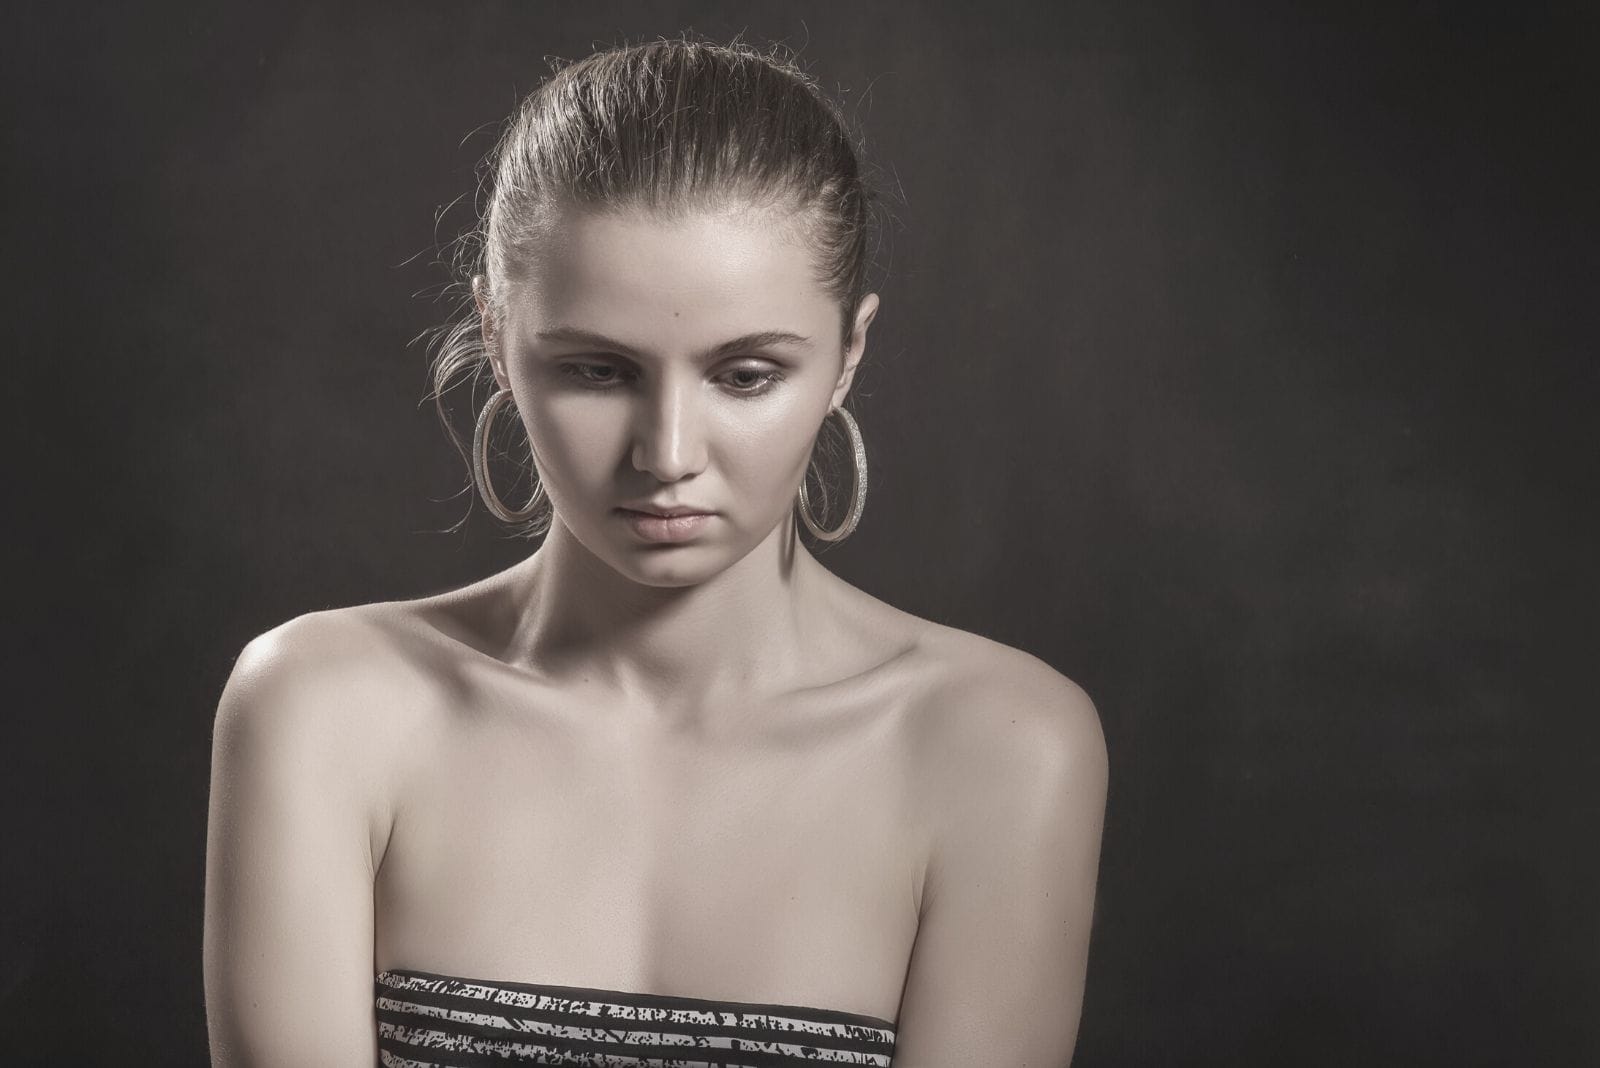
[(680, 526)]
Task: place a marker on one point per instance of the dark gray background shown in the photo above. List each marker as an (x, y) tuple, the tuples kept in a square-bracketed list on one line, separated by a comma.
[(1238, 360)]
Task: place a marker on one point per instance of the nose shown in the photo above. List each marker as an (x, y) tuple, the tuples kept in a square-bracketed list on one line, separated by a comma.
[(669, 441)]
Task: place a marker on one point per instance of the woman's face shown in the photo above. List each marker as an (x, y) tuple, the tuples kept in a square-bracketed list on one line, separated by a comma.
[(673, 364)]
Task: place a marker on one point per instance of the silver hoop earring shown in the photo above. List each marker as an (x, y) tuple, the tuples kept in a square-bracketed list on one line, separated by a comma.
[(480, 466), (858, 498)]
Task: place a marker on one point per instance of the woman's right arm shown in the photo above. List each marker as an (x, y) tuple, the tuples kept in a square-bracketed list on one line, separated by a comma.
[(288, 942)]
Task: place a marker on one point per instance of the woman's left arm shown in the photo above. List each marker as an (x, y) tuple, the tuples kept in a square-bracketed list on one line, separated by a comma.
[(997, 970)]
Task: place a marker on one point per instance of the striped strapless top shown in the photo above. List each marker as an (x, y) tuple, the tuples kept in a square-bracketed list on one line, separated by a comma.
[(426, 1019)]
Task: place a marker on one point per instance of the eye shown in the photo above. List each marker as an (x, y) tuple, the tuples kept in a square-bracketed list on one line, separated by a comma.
[(753, 381), (594, 375), (740, 381)]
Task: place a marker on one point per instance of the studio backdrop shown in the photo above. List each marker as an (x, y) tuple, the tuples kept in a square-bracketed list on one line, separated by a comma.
[(1236, 360)]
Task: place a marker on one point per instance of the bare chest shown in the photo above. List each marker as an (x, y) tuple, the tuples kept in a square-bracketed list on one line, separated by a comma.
[(568, 846)]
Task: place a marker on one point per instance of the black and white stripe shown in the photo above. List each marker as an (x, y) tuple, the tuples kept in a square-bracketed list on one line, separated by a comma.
[(426, 1020)]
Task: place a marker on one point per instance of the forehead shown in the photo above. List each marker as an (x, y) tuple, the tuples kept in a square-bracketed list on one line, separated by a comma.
[(702, 272)]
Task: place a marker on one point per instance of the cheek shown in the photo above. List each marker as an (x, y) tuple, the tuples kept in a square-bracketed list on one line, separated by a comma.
[(577, 439), (765, 453)]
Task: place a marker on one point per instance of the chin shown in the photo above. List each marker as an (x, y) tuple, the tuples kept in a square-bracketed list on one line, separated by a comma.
[(687, 564), (669, 568)]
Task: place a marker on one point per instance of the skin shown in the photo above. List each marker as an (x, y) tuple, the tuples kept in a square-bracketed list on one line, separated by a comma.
[(711, 769)]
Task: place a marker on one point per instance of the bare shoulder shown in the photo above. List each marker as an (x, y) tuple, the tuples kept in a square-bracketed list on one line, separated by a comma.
[(344, 690), (380, 671), (997, 722), (977, 699), (330, 662)]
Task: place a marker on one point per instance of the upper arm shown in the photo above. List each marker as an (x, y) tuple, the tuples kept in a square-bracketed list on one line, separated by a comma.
[(998, 966), (288, 942)]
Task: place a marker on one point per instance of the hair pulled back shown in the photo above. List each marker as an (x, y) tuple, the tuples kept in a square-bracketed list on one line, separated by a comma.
[(670, 127)]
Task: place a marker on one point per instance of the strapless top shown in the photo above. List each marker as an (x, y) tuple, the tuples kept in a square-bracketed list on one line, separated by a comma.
[(426, 1019)]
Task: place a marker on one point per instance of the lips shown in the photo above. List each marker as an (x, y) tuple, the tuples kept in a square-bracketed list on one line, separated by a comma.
[(666, 529)]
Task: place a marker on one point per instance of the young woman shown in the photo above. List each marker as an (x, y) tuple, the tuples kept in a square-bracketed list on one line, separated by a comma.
[(667, 791)]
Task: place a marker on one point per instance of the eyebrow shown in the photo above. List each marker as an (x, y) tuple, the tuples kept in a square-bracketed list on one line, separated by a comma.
[(759, 340)]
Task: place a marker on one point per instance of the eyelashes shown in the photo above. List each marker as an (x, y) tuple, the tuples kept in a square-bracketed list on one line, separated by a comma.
[(605, 376)]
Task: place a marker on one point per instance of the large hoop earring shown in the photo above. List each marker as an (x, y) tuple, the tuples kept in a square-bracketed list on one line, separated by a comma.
[(480, 466), (858, 498)]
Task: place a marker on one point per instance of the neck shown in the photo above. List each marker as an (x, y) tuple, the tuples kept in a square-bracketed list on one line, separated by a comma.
[(674, 650)]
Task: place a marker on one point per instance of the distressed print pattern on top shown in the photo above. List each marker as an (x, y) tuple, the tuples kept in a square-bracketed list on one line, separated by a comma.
[(427, 1020)]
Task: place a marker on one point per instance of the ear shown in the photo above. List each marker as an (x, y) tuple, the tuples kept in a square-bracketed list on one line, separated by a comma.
[(866, 311), (497, 362)]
